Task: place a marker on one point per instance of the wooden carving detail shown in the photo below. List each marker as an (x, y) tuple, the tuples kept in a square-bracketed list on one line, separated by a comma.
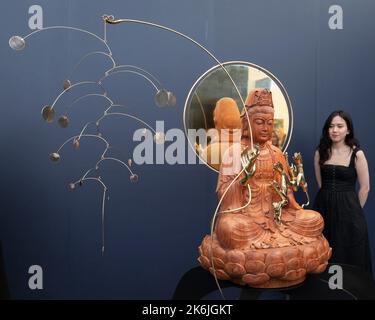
[(271, 242)]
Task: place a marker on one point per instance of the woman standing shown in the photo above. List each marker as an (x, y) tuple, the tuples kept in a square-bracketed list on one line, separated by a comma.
[(338, 163)]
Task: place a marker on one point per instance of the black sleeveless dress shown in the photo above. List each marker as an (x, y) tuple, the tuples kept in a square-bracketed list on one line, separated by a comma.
[(345, 225)]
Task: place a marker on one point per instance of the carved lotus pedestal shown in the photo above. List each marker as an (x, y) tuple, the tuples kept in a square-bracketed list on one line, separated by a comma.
[(266, 268)]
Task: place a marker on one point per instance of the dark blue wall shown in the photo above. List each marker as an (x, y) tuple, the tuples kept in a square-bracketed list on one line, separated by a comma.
[(153, 228)]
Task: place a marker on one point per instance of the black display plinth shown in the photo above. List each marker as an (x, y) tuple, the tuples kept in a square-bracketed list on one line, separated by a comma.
[(4, 293), (197, 283)]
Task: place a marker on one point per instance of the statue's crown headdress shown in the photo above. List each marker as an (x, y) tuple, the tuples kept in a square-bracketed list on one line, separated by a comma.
[(259, 97)]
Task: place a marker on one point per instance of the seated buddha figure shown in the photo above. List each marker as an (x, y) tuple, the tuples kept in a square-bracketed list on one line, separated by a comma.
[(227, 131), (261, 239)]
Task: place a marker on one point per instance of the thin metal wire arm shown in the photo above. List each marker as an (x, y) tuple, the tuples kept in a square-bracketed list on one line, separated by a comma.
[(90, 54), (117, 160), (111, 20), (88, 95), (243, 207), (129, 71), (92, 178), (103, 206), (76, 85), (84, 135), (127, 66), (213, 226), (71, 28), (129, 116), (84, 128)]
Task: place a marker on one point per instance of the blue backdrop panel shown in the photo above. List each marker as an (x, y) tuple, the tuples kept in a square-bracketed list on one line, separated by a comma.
[(153, 228)]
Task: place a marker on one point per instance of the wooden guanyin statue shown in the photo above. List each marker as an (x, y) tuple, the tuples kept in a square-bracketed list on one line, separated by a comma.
[(263, 237)]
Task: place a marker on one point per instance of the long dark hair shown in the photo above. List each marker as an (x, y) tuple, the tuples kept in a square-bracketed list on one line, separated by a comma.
[(325, 143)]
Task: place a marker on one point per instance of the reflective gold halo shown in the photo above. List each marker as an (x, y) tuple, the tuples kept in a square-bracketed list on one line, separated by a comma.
[(215, 84)]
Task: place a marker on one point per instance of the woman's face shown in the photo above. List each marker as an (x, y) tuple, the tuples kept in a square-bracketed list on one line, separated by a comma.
[(338, 129)]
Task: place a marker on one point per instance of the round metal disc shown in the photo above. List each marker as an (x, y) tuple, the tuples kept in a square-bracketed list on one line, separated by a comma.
[(134, 178), (17, 43), (48, 114), (161, 98), (63, 121), (76, 143), (66, 84), (171, 99), (159, 137), (55, 157)]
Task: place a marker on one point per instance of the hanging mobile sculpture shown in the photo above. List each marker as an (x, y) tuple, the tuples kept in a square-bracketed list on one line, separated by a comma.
[(163, 98)]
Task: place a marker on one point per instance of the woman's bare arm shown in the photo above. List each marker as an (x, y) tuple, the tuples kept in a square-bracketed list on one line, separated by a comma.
[(363, 177), (318, 175)]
